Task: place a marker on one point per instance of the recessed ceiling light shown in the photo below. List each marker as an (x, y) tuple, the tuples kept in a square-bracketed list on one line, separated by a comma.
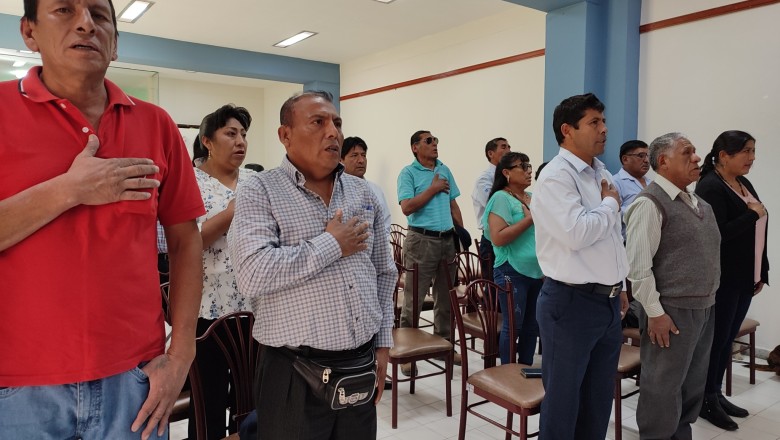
[(385, 1), (19, 63), (297, 38), (19, 74), (133, 11)]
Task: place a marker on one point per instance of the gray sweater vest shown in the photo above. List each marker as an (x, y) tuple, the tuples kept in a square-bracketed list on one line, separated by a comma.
[(687, 264)]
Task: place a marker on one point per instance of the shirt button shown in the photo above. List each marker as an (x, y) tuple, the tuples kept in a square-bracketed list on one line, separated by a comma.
[(85, 129), (62, 104)]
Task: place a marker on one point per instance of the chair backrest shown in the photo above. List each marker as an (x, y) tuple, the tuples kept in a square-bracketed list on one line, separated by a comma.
[(407, 276), (482, 296), (233, 335), (397, 227), (470, 267), (398, 253), (165, 289)]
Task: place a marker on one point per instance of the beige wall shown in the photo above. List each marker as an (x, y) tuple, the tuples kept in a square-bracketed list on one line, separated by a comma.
[(189, 101), (463, 111), (713, 75)]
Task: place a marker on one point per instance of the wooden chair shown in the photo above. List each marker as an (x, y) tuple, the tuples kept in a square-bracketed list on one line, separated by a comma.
[(748, 328), (469, 267), (233, 335), (410, 345), (398, 295), (398, 253), (503, 385), (468, 270), (631, 336), (629, 366), (397, 237), (397, 227)]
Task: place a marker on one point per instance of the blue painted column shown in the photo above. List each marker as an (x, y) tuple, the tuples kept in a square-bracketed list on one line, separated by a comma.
[(592, 46)]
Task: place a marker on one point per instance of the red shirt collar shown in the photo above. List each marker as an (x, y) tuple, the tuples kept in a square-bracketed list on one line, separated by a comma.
[(33, 88)]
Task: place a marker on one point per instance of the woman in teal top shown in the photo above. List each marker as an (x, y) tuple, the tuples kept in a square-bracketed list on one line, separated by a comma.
[(510, 227)]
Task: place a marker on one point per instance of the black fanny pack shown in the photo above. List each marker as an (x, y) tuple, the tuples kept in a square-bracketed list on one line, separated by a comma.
[(339, 381)]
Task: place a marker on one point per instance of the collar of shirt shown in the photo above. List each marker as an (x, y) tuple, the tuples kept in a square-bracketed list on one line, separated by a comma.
[(34, 89), (420, 166), (579, 164), (624, 175), (298, 177), (672, 190)]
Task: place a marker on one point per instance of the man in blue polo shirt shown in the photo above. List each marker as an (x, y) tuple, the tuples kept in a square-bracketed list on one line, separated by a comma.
[(427, 193)]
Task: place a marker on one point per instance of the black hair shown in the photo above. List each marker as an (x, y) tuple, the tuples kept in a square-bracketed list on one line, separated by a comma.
[(350, 143), (285, 114), (499, 180), (492, 145), (571, 110), (254, 167), (213, 122), (416, 138), (31, 13), (731, 142), (630, 146), (539, 170)]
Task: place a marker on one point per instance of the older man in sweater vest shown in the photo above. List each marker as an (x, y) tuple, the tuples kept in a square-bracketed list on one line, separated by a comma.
[(673, 247)]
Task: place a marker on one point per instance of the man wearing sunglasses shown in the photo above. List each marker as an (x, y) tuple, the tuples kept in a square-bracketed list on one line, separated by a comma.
[(427, 193)]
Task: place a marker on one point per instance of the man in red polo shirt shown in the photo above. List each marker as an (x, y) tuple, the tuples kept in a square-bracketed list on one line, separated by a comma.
[(86, 172)]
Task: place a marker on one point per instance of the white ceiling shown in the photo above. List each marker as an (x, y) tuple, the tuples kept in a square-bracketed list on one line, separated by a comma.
[(347, 29)]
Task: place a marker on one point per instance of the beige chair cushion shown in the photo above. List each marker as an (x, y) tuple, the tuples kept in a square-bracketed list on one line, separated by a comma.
[(629, 359), (408, 342), (748, 326), (507, 383)]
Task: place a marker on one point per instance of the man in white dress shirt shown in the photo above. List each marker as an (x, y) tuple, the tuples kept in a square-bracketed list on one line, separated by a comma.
[(580, 250), (494, 151)]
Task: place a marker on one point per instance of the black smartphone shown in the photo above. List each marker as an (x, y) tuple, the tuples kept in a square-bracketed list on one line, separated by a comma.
[(531, 373)]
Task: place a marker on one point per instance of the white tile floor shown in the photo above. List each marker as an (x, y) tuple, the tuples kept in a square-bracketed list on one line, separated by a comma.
[(422, 416)]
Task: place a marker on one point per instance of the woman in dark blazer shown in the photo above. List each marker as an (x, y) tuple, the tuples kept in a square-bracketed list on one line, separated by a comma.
[(743, 258)]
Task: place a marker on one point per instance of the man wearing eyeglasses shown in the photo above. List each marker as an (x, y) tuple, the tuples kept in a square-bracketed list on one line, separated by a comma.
[(631, 179), (427, 193)]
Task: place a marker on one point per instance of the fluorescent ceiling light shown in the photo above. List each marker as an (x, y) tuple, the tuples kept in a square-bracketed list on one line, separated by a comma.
[(19, 74), (295, 39), (385, 1), (19, 63), (133, 11), (25, 51)]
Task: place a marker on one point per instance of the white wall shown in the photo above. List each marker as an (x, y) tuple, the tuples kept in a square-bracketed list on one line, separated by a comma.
[(464, 111), (713, 75), (274, 152), (189, 101)]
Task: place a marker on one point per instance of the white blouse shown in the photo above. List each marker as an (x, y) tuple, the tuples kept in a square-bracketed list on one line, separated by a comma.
[(220, 292)]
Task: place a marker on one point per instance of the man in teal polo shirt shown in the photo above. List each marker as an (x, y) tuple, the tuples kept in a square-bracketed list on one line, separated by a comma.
[(427, 193)]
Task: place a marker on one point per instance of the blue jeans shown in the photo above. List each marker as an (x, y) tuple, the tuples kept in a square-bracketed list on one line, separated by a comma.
[(525, 291), (95, 410)]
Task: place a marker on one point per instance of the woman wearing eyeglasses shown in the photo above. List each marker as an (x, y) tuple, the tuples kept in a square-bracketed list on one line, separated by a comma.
[(744, 267), (510, 227)]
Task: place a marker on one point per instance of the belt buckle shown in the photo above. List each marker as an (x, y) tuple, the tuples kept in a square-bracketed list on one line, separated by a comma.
[(615, 290)]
